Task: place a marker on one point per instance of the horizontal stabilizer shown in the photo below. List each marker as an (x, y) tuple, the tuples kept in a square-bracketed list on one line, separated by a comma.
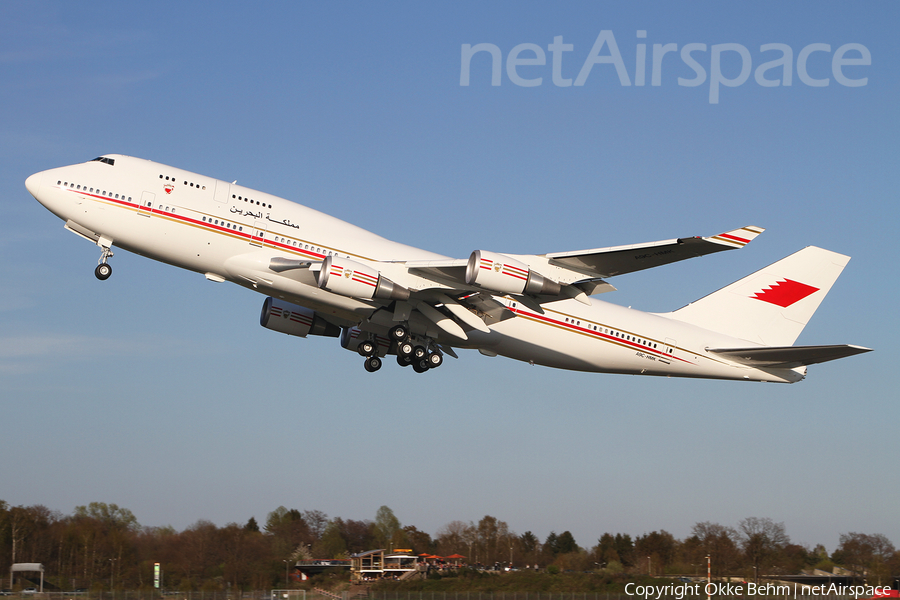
[(788, 357)]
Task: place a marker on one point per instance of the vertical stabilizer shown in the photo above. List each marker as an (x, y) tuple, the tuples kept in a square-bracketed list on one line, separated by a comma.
[(772, 306)]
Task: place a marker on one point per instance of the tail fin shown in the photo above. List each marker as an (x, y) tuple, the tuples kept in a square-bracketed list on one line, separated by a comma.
[(772, 306)]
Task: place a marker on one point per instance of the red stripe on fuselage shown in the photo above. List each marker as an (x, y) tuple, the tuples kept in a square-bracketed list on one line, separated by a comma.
[(597, 334), (197, 222)]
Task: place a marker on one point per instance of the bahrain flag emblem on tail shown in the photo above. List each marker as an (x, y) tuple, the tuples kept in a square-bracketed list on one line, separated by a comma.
[(785, 292)]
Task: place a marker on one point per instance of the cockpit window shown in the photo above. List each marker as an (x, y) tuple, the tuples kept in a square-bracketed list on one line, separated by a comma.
[(103, 159)]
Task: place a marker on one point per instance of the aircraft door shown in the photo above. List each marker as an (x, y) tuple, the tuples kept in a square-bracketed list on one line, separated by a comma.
[(258, 234), (669, 349), (221, 194), (145, 208)]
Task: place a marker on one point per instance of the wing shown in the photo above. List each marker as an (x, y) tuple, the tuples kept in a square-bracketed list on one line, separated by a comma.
[(608, 262), (459, 295), (466, 286), (587, 268)]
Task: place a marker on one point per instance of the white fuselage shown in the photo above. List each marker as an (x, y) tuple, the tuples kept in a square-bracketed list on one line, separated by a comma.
[(229, 232)]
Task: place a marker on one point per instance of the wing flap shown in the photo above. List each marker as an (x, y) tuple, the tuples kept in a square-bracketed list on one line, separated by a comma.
[(788, 357), (452, 270)]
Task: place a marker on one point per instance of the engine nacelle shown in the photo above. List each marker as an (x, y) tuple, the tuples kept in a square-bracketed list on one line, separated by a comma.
[(500, 273), (350, 278), (292, 319)]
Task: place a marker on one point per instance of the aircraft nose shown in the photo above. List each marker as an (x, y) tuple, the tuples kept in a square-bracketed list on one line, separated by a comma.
[(33, 183)]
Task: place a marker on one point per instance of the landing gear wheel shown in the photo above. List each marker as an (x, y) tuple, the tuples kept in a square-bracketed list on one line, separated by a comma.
[(404, 360), (372, 364), (103, 271), (420, 366), (405, 349), (419, 352), (435, 359), (399, 333), (366, 348)]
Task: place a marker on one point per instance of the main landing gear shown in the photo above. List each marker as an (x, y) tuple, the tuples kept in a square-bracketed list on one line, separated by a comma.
[(419, 357), (409, 352), (104, 269), (372, 364), (369, 349)]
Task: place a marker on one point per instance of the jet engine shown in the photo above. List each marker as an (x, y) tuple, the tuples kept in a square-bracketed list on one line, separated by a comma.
[(500, 273), (292, 319), (350, 278)]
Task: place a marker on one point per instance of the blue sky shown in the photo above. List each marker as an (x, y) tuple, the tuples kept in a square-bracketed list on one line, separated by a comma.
[(158, 390)]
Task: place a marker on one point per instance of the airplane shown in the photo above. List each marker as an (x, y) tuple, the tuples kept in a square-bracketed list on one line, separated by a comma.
[(324, 277)]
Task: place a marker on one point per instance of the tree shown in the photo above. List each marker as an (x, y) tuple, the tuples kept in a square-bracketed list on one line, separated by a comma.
[(107, 533), (279, 518), (109, 514), (625, 549), (288, 530), (492, 540), (720, 544), (659, 546), (243, 559), (454, 538), (565, 543), (332, 543), (528, 549), (691, 556), (419, 541), (316, 520), (762, 540), (387, 526), (196, 555), (528, 542), (605, 551), (794, 558), (551, 545), (865, 554), (359, 535)]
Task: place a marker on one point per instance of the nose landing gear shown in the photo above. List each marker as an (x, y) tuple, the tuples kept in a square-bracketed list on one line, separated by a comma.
[(104, 269)]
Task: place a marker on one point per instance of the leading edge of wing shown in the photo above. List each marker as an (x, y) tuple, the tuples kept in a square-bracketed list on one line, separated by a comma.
[(618, 260), (788, 357)]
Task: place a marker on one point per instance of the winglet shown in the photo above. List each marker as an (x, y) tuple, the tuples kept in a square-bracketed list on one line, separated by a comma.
[(737, 238)]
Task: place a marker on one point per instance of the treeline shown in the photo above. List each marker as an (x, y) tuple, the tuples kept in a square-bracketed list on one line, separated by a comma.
[(102, 546)]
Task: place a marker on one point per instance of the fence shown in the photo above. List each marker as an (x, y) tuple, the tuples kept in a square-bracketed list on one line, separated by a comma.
[(315, 595), (589, 596), (171, 595)]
